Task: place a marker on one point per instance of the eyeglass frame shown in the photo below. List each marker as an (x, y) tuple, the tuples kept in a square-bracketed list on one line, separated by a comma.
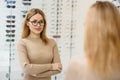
[(37, 22)]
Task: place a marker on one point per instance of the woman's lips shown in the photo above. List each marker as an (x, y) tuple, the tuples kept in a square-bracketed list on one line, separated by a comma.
[(37, 29)]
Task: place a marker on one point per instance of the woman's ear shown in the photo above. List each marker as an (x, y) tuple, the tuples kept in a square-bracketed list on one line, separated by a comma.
[(27, 23)]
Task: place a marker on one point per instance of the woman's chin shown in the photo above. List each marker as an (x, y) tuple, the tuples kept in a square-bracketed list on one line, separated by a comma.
[(37, 32)]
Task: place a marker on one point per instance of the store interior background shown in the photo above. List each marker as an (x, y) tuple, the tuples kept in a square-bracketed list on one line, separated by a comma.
[(65, 24)]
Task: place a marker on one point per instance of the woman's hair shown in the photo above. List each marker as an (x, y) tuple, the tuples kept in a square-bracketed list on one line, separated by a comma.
[(102, 38), (26, 30)]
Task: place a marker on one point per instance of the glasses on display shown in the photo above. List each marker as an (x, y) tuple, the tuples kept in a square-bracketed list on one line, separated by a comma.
[(22, 74), (35, 23), (12, 44), (11, 16), (10, 26), (56, 36), (58, 28), (24, 3), (11, 6), (118, 6), (10, 21), (70, 28), (70, 43), (70, 36), (23, 13), (10, 40), (8, 31), (10, 35), (11, 2), (114, 0), (26, 0)]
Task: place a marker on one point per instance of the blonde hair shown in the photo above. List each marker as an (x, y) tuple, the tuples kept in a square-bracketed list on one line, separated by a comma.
[(102, 38), (26, 30)]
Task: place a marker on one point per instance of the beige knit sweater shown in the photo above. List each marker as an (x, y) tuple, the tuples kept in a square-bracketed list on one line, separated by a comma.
[(36, 58)]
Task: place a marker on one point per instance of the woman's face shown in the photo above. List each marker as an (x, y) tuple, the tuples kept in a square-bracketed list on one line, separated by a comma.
[(36, 24)]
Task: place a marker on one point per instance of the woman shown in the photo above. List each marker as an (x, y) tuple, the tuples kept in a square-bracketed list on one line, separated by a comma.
[(38, 55), (102, 46)]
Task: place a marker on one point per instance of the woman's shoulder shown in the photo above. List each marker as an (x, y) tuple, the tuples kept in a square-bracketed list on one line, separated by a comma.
[(75, 69), (52, 41), (22, 41), (78, 60)]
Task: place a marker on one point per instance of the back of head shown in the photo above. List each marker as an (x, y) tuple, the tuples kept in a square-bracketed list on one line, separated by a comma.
[(102, 37)]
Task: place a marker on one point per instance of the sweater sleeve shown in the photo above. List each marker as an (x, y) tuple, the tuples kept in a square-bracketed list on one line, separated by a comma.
[(28, 67), (56, 59), (46, 74)]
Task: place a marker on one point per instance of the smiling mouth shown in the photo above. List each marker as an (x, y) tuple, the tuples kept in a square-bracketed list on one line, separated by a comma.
[(37, 29)]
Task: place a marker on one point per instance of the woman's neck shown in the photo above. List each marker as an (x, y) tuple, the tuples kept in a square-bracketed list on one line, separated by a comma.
[(35, 36)]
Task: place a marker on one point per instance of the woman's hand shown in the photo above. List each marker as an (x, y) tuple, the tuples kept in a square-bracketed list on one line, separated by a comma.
[(57, 66)]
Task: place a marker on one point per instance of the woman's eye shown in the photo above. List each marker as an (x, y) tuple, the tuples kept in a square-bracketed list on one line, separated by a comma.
[(41, 21), (34, 21)]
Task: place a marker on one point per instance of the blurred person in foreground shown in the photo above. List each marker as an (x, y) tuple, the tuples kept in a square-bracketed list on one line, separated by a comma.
[(101, 45)]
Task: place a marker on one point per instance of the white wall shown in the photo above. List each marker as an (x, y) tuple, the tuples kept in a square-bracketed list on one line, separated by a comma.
[(71, 23)]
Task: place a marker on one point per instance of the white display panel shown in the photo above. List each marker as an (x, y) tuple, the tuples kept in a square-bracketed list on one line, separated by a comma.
[(65, 24)]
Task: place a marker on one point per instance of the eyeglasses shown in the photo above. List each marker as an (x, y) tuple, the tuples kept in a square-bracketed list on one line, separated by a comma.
[(26, 3), (35, 23), (56, 36), (26, 0), (10, 26), (11, 16), (23, 13), (8, 31), (10, 21), (11, 6), (10, 40), (13, 2), (10, 35)]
